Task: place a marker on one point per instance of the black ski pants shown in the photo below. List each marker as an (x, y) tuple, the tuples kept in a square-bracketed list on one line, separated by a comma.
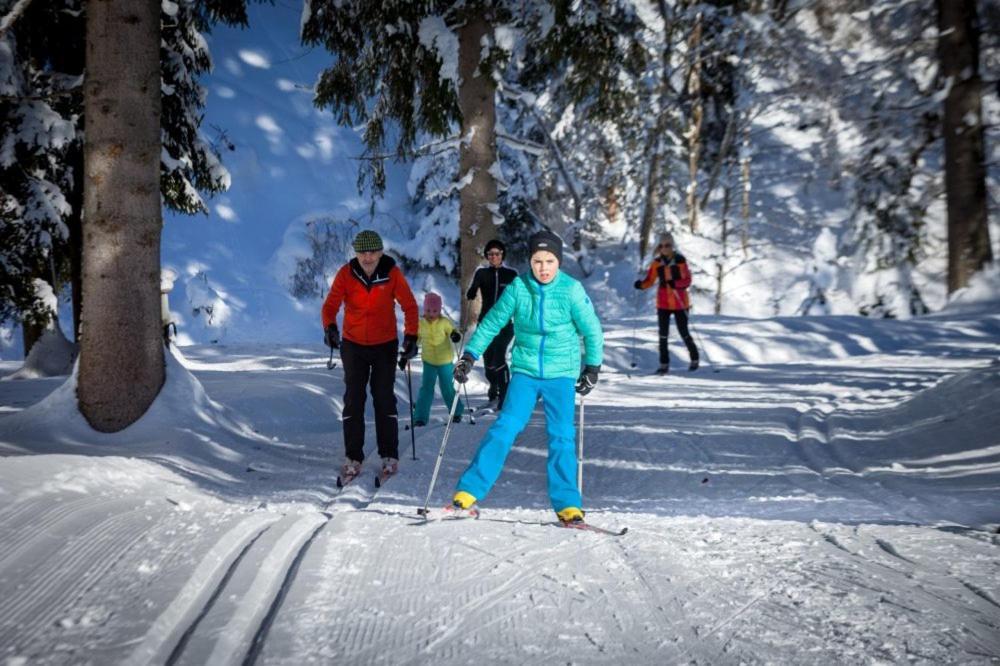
[(495, 362), (375, 366), (663, 318)]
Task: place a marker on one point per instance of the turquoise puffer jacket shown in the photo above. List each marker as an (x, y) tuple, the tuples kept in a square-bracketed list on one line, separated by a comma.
[(549, 320)]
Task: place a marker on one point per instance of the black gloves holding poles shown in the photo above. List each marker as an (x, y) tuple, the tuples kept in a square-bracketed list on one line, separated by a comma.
[(332, 337), (408, 351), (588, 379)]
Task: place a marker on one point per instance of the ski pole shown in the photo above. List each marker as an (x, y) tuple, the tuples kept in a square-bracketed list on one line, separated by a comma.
[(331, 364), (409, 390), (579, 452), (440, 457)]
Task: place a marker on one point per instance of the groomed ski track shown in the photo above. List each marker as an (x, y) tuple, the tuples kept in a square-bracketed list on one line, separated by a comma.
[(834, 510)]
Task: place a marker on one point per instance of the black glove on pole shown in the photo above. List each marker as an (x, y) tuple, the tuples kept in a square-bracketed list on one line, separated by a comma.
[(332, 336), (588, 379), (408, 351)]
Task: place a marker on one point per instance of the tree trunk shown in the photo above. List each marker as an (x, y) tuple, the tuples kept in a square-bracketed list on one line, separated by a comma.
[(121, 355), (477, 151), (75, 225), (694, 124), (30, 334), (720, 266), (651, 201), (964, 171)]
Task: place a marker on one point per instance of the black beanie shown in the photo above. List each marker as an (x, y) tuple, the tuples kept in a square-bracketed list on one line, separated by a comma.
[(545, 240), (495, 245)]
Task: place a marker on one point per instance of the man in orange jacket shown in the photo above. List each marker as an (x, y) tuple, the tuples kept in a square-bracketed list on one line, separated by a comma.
[(670, 272), (369, 286)]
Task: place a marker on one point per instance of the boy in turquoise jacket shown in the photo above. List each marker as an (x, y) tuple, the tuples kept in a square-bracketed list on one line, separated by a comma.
[(550, 311)]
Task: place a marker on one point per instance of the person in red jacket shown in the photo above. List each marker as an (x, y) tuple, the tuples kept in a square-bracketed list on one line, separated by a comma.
[(670, 272), (369, 286)]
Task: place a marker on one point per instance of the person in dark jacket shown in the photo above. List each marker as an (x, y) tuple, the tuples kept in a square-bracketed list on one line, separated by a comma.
[(490, 281), (669, 271), (369, 286)]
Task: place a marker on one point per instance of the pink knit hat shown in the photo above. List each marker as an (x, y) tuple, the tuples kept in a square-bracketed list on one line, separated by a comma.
[(432, 304)]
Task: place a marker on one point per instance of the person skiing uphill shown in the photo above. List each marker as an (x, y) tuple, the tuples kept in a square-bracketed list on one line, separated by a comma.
[(369, 286), (490, 281), (669, 270), (550, 312), (435, 337)]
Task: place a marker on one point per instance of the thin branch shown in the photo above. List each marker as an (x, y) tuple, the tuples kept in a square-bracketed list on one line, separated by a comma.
[(14, 14)]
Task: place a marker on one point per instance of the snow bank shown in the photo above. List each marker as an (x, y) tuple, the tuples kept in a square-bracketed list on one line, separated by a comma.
[(51, 356), (183, 429)]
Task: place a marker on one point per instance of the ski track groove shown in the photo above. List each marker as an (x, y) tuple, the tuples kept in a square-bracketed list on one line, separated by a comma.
[(260, 636), (161, 634)]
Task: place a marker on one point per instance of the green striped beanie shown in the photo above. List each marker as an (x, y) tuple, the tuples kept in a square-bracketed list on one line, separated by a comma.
[(367, 241)]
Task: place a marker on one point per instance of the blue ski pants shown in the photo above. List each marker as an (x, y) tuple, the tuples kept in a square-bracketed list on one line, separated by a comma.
[(558, 403), (442, 375)]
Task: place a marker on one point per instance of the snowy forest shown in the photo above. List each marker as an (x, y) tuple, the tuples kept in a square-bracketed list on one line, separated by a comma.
[(182, 180)]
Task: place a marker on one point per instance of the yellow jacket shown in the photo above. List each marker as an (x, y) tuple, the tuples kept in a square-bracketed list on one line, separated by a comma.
[(435, 343)]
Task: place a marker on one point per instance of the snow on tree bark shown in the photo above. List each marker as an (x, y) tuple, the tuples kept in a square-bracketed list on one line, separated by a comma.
[(121, 355)]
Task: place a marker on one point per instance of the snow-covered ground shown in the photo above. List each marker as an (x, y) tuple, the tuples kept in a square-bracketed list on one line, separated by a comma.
[(824, 490)]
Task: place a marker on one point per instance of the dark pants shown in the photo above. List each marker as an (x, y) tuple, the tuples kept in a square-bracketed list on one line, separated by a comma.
[(495, 362), (374, 365), (663, 316)]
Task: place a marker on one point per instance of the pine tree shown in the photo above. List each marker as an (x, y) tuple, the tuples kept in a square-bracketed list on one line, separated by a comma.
[(416, 69)]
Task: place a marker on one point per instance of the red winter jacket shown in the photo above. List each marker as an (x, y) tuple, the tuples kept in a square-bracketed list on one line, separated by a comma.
[(370, 302), (674, 278)]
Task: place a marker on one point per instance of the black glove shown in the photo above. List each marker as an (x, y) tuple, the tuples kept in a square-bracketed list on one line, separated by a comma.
[(332, 337), (588, 379), (637, 284), (408, 351), (456, 337), (463, 367)]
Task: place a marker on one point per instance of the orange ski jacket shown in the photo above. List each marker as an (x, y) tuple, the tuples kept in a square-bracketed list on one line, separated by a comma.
[(674, 278), (370, 303)]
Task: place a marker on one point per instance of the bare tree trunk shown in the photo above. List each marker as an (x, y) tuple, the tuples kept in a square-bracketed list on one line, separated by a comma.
[(30, 334), (720, 265), (964, 171), (653, 172), (745, 187), (694, 124), (121, 355), (651, 201), (477, 152)]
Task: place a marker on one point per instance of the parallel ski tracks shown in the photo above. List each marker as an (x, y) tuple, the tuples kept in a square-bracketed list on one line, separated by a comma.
[(225, 612)]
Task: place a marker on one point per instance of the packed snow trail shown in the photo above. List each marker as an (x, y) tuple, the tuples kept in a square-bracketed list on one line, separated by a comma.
[(826, 504)]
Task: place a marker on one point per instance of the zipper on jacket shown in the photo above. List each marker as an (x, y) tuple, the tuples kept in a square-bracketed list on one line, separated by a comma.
[(541, 325)]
